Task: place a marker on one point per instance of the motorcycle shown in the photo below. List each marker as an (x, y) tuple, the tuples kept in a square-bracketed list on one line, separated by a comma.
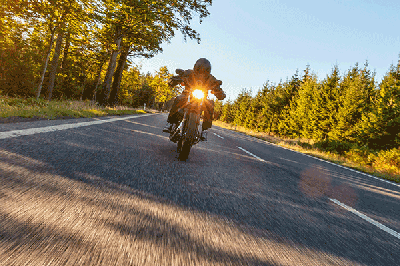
[(188, 132)]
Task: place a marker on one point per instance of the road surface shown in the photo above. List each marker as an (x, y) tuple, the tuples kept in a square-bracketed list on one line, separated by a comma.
[(111, 191)]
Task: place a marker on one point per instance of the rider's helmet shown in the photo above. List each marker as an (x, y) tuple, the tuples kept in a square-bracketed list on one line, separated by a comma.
[(202, 66)]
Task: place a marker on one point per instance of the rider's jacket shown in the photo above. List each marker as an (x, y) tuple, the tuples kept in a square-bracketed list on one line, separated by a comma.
[(191, 80)]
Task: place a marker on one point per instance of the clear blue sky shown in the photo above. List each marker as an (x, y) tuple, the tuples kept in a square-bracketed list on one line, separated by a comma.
[(250, 42)]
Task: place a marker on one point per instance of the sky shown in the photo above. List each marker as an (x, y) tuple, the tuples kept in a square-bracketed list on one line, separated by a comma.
[(250, 42)]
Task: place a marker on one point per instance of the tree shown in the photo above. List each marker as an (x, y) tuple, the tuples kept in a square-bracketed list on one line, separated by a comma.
[(323, 116), (297, 116), (357, 91), (159, 83), (218, 106), (379, 127), (130, 85), (69, 15), (241, 106), (227, 112), (147, 23)]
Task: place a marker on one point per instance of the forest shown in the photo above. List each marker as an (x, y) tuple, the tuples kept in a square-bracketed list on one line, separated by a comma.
[(350, 114), (82, 50)]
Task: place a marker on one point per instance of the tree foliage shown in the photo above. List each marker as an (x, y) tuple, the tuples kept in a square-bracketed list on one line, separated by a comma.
[(338, 113), (81, 48)]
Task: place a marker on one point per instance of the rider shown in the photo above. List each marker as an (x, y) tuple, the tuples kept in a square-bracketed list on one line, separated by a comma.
[(201, 73)]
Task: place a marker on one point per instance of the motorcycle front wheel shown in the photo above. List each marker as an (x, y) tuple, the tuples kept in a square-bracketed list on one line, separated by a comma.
[(185, 147), (190, 132)]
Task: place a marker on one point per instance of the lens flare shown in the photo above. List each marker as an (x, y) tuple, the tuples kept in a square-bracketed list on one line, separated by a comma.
[(199, 94)]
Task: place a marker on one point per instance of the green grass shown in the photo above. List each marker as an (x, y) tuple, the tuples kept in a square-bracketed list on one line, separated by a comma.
[(384, 164), (28, 108)]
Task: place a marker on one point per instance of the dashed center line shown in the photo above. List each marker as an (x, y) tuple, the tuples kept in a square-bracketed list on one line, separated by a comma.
[(365, 217), (218, 135), (255, 156)]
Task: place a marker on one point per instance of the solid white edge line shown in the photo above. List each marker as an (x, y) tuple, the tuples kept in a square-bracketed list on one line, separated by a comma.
[(31, 131), (363, 216), (350, 209), (344, 167)]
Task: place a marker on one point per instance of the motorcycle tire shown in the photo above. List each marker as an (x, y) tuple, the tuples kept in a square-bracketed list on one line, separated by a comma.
[(191, 128), (179, 148), (190, 133), (185, 150)]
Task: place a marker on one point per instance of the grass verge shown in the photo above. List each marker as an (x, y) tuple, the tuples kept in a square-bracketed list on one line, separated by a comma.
[(388, 171), (41, 109)]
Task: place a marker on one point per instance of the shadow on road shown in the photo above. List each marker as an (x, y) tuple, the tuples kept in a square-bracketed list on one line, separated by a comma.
[(115, 197)]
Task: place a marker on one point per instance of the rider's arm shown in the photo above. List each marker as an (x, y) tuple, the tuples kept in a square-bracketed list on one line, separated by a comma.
[(219, 93), (217, 90), (174, 80)]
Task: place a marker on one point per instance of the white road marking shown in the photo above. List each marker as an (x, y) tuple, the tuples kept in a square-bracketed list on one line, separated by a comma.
[(358, 172), (363, 216), (350, 209), (218, 136), (255, 156), (288, 160), (31, 131), (344, 167)]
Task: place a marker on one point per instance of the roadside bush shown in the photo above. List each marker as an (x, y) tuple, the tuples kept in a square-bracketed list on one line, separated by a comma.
[(333, 146), (39, 102), (361, 155), (22, 102), (304, 145), (388, 161)]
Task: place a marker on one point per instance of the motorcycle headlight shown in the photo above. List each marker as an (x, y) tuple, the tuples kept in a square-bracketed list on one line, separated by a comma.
[(198, 94)]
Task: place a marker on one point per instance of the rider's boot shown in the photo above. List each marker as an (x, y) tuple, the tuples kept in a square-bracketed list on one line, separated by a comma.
[(203, 136), (168, 127)]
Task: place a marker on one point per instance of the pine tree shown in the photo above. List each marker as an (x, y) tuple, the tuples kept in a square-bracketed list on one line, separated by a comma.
[(357, 90), (296, 120), (323, 115), (218, 106), (380, 127), (241, 106), (227, 112)]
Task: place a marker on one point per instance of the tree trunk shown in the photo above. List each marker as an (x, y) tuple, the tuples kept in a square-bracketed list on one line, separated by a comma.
[(113, 99), (64, 63), (83, 85), (39, 89), (98, 81), (111, 67), (54, 64)]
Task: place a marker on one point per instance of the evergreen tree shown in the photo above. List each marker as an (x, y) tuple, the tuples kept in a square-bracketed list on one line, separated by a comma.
[(296, 119), (218, 106), (357, 91), (228, 114), (241, 106), (323, 115), (380, 127)]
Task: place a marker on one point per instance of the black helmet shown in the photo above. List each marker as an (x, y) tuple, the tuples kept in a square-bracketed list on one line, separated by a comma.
[(202, 66)]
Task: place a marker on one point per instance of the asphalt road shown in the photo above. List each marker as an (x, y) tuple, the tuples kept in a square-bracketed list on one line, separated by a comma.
[(114, 193)]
